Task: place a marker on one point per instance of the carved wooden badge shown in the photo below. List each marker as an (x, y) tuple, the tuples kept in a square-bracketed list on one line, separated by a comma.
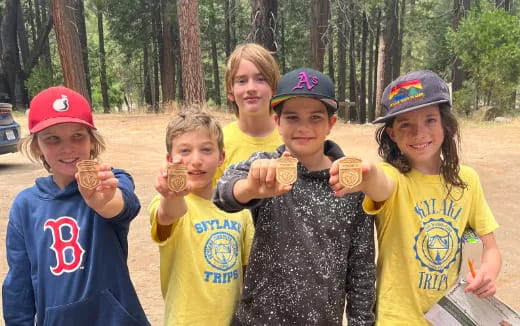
[(350, 173), (286, 171), (88, 170), (177, 177)]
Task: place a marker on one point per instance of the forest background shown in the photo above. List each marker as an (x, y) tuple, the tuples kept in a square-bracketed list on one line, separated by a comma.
[(129, 54), (141, 56)]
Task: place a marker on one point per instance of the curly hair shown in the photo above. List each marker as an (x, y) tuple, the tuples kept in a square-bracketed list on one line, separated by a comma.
[(390, 152)]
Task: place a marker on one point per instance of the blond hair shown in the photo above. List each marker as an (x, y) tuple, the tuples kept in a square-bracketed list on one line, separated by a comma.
[(191, 118), (30, 148), (261, 58)]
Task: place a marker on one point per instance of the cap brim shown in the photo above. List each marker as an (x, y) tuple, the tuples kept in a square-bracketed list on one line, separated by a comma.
[(54, 121), (413, 108), (329, 102)]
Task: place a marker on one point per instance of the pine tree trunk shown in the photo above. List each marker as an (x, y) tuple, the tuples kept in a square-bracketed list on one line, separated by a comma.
[(264, 16), (10, 58), (319, 23), (192, 79), (363, 82), (214, 54), (377, 73), (342, 51), (227, 26), (102, 63), (390, 36), (80, 21), (69, 46), (353, 116), (167, 55), (459, 11)]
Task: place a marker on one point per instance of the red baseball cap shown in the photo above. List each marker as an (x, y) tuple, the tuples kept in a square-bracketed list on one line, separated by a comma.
[(58, 105)]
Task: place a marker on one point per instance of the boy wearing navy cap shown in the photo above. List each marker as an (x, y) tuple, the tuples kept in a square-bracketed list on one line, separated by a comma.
[(311, 249), (423, 199)]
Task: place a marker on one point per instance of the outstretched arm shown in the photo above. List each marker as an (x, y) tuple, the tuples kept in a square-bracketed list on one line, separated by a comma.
[(376, 184), (106, 199), (483, 284), (172, 204), (261, 182)]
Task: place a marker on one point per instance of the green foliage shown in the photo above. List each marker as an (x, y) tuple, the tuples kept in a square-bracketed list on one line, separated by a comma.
[(488, 44), (464, 99)]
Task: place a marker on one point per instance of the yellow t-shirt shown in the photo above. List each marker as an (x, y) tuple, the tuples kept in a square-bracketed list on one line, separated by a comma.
[(239, 146), (419, 235), (201, 262)]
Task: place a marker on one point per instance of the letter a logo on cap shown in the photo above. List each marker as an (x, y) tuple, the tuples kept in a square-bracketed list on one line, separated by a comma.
[(61, 104), (303, 78)]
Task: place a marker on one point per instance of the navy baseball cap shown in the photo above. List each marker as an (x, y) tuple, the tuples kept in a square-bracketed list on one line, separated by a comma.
[(411, 92), (305, 82)]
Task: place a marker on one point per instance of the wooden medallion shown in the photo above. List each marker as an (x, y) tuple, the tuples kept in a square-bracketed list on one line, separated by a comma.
[(350, 173), (88, 170), (177, 177), (286, 171)]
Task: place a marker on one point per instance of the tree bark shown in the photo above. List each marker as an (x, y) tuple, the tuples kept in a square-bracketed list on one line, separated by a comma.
[(282, 43), (319, 23), (168, 59), (156, 38), (398, 49), (380, 76), (22, 38), (264, 17), (330, 47), (69, 46), (460, 7), (363, 82), (80, 19), (214, 54), (342, 50), (189, 30), (390, 37), (102, 63), (227, 26), (39, 48), (147, 76), (41, 17), (10, 56), (353, 116), (377, 74)]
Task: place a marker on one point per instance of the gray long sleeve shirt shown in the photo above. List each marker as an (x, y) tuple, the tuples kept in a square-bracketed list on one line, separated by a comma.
[(311, 251)]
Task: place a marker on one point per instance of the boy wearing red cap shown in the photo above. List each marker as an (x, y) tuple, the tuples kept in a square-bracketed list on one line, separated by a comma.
[(311, 250), (66, 242)]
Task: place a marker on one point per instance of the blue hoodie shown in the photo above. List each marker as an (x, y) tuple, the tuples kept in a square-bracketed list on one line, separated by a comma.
[(67, 264)]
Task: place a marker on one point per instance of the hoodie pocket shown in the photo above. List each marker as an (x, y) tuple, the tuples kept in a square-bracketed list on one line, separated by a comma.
[(99, 309)]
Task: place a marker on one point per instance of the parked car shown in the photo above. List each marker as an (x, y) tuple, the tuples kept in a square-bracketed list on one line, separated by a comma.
[(9, 130)]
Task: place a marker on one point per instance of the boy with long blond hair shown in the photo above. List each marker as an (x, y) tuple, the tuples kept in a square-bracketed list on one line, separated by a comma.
[(251, 79)]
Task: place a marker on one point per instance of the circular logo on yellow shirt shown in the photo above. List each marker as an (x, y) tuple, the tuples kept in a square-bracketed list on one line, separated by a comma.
[(221, 251), (437, 245)]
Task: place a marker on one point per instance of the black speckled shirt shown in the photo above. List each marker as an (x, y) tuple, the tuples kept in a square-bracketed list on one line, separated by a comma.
[(311, 251)]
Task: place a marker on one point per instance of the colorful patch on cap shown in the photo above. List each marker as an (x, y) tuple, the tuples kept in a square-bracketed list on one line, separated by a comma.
[(404, 92), (61, 104), (276, 101), (309, 81)]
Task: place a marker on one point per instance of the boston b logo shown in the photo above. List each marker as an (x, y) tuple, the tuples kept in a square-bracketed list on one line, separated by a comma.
[(69, 254)]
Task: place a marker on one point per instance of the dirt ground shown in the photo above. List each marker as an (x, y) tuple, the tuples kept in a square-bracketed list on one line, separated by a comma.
[(136, 143)]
